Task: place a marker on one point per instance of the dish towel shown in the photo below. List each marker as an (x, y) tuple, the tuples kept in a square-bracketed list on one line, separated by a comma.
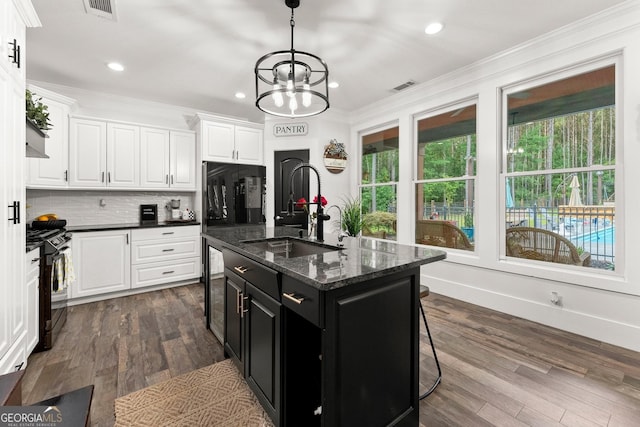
[(62, 273)]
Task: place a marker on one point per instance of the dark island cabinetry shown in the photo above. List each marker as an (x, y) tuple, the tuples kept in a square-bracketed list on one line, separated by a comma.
[(341, 357)]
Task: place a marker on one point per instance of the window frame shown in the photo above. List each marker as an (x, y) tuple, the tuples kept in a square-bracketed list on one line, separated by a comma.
[(433, 112), (569, 273)]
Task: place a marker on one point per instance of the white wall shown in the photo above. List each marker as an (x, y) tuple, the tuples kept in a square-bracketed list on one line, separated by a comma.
[(322, 129), (598, 304)]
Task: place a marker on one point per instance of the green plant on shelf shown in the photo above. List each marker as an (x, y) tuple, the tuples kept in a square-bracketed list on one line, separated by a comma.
[(37, 111)]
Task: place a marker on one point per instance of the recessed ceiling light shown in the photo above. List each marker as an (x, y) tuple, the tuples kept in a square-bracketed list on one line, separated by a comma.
[(433, 28), (240, 95), (333, 85), (115, 66)]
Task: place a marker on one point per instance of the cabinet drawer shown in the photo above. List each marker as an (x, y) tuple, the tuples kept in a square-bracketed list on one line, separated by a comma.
[(303, 299), (163, 250), (165, 272), (258, 275), (164, 232)]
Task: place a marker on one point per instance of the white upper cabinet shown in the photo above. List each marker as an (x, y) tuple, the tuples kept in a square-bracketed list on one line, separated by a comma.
[(229, 141), (54, 171), (123, 155), (87, 153), (103, 154), (168, 159), (154, 158), (182, 160)]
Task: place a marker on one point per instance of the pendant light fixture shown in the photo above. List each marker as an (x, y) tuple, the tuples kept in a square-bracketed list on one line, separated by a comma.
[(290, 83)]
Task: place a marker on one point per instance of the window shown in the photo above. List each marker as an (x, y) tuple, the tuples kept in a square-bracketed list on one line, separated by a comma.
[(559, 170), (446, 170), (378, 183)]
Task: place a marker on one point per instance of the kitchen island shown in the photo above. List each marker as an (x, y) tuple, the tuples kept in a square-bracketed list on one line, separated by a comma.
[(329, 338)]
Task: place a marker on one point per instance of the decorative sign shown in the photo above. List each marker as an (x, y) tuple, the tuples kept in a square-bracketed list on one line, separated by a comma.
[(290, 129), (335, 157)]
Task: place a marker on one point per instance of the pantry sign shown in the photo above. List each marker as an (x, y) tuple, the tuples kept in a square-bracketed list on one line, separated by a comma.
[(290, 129)]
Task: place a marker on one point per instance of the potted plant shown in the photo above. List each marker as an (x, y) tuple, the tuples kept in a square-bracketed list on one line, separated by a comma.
[(468, 225), (352, 216), (37, 111)]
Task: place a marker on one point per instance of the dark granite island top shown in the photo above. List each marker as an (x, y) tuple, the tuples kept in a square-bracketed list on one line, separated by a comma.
[(360, 259)]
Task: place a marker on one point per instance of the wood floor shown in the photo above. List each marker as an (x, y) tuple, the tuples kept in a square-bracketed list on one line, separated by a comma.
[(497, 370)]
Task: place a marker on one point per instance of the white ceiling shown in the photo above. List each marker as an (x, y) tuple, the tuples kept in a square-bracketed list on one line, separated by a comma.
[(200, 53)]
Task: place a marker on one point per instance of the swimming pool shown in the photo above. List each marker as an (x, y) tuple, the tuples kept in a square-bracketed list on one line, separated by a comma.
[(606, 236)]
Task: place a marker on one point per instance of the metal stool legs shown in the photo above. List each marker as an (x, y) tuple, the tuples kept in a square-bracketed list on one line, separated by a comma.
[(424, 291)]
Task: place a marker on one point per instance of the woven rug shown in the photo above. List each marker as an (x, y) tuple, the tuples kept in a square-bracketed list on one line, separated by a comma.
[(216, 395)]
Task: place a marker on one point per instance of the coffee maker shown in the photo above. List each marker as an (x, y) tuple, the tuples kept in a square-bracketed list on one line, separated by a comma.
[(174, 206)]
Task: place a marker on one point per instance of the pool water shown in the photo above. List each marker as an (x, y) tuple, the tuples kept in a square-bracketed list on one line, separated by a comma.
[(606, 236)]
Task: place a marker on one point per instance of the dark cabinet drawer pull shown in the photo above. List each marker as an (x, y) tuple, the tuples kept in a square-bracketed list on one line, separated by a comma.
[(240, 269), (167, 233), (168, 272), (292, 297), (168, 250)]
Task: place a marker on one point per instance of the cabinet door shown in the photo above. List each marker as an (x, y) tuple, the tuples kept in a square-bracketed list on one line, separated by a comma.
[(233, 298), (154, 155), (52, 172), (32, 266), (217, 142), (102, 262), (183, 160), (263, 349), (87, 153), (248, 145), (123, 155)]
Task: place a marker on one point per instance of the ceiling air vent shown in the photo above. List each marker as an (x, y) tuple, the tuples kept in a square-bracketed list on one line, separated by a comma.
[(102, 8), (404, 85)]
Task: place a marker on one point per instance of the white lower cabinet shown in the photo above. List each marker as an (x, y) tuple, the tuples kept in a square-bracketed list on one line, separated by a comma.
[(164, 255), (32, 268), (121, 260), (102, 262)]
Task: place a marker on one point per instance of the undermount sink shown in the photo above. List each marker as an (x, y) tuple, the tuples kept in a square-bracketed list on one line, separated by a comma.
[(290, 247)]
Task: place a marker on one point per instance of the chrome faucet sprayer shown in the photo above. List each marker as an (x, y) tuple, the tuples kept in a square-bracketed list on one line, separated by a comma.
[(343, 233), (320, 214)]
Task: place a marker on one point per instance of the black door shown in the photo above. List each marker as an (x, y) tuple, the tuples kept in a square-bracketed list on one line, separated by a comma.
[(284, 162)]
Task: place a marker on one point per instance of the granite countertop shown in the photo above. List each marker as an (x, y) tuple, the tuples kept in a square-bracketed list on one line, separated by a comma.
[(361, 258), (105, 227)]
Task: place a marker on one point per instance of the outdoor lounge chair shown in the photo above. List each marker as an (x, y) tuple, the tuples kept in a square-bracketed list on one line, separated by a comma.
[(441, 233), (544, 245)]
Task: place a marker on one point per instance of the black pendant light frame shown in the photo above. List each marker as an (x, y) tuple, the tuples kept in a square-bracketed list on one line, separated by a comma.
[(291, 83)]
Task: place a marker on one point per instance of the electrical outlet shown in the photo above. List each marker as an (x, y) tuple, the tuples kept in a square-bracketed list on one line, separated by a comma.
[(556, 299)]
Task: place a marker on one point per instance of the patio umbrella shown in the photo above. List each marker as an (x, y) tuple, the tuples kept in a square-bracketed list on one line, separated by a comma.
[(575, 199)]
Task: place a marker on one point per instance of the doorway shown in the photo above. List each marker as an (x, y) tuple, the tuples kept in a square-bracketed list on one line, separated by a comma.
[(284, 162)]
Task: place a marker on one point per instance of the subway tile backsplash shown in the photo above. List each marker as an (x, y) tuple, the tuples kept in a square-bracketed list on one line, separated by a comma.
[(81, 207)]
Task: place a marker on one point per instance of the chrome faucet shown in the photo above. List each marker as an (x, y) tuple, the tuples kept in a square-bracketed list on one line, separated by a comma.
[(343, 233), (320, 214)]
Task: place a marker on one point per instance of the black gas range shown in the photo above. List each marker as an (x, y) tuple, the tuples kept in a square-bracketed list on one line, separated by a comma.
[(53, 298)]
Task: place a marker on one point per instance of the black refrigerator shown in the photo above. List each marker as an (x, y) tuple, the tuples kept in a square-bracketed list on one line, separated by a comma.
[(233, 194)]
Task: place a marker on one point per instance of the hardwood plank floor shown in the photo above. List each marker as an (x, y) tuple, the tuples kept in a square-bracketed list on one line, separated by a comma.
[(498, 370)]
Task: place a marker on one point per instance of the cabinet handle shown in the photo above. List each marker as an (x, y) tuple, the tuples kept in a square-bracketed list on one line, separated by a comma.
[(15, 206), (166, 179), (168, 272), (127, 238), (33, 261), (66, 175), (108, 176), (240, 269), (15, 56), (102, 179), (171, 178), (18, 367), (292, 297), (168, 250), (169, 232), (238, 296)]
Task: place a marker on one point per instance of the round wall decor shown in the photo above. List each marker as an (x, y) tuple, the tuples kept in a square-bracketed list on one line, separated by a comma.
[(335, 157)]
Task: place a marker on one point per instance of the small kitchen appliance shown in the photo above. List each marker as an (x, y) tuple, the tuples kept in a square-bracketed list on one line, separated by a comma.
[(148, 214), (174, 205)]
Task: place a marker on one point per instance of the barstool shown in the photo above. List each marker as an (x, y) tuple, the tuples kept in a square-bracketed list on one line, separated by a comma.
[(424, 292)]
